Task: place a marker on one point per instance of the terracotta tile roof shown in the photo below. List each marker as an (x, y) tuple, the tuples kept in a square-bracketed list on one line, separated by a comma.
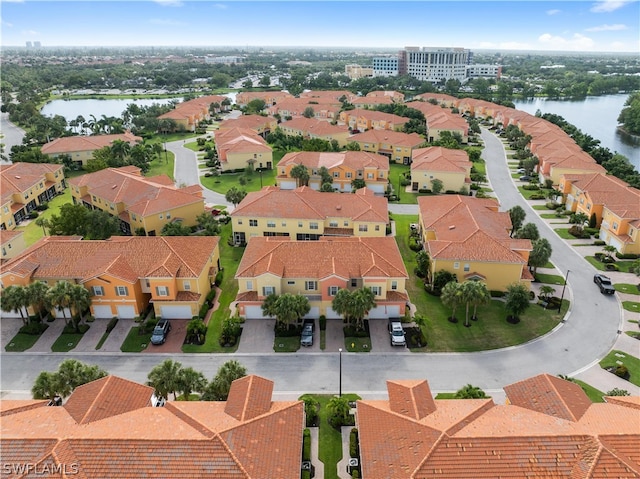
[(252, 122), (353, 159), (436, 158), (305, 203), (249, 397), (346, 257), (9, 235), (19, 177), (182, 440), (327, 94), (9, 406), (105, 398), (372, 100), (245, 97), (550, 395), (374, 115), (389, 93), (479, 246), (628, 401), (396, 138), (411, 398), (140, 195), (239, 140), (314, 127), (198, 107), (129, 258), (72, 144)]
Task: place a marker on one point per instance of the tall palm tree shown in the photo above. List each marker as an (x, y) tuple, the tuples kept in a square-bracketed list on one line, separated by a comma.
[(164, 378), (451, 296), (354, 305), (269, 305), (470, 392), (301, 174), (191, 381), (59, 296), (37, 297), (80, 301), (44, 223), (481, 297), (14, 298), (121, 150)]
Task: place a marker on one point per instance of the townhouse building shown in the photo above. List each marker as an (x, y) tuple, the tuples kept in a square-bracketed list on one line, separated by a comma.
[(113, 427), (238, 148), (371, 102), (469, 237), (140, 203), (12, 243), (318, 270), (620, 225), (324, 109), (81, 148), (24, 187), (310, 128), (363, 120), (547, 428), (188, 114), (344, 167), (396, 96), (329, 95), (125, 275), (395, 145), (451, 167), (262, 125), (307, 214), (269, 97), (355, 71)]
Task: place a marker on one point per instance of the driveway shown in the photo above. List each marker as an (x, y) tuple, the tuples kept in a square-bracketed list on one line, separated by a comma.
[(174, 340)]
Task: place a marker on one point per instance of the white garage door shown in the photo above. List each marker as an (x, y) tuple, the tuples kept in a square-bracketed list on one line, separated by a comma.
[(12, 314), (331, 314), (175, 312), (253, 312), (376, 188), (288, 185), (314, 312), (126, 312), (384, 312), (102, 312), (60, 314)]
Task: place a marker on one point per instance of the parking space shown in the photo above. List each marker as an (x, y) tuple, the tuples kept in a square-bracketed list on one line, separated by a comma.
[(175, 338), (257, 336), (380, 342)]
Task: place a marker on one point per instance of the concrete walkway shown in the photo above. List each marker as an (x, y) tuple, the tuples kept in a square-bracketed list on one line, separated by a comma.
[(318, 465)]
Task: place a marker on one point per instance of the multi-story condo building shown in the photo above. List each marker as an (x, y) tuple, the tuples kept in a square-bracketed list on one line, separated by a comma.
[(239, 148), (81, 148), (451, 167), (344, 167), (141, 203), (318, 270), (395, 145), (188, 114), (125, 274), (306, 214), (309, 128), (11, 243), (25, 186), (262, 125)]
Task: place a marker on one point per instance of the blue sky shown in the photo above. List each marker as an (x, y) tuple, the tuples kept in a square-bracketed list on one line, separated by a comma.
[(586, 26)]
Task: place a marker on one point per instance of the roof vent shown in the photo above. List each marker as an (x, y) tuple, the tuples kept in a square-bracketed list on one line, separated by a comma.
[(452, 227), (338, 207), (17, 177), (114, 187)]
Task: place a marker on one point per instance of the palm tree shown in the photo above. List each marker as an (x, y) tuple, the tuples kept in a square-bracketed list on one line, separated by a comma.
[(451, 296), (164, 378), (609, 250), (218, 388), (338, 408), (470, 392), (46, 386), (73, 373), (269, 305), (120, 150), (474, 293), (80, 301), (189, 381), (301, 174), (14, 298), (289, 308), (43, 223), (546, 292), (516, 300), (37, 297), (59, 296), (354, 305)]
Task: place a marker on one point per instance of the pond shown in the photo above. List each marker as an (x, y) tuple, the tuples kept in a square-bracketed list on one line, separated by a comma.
[(70, 109)]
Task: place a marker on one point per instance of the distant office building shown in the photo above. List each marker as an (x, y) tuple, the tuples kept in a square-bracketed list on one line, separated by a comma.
[(356, 71), (434, 65), (227, 60), (29, 44), (385, 66), (37, 44)]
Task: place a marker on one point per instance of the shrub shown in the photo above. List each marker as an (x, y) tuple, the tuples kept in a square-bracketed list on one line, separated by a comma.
[(42, 206), (306, 445), (405, 182), (531, 187), (147, 326), (204, 309), (424, 190), (112, 324), (611, 267), (211, 295), (599, 243), (218, 280), (578, 232), (323, 322), (592, 231), (496, 294), (550, 205), (537, 196), (33, 328), (33, 215), (627, 255), (621, 371), (353, 443), (283, 330)]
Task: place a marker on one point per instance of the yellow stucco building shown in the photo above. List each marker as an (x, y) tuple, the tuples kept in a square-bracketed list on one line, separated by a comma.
[(451, 167)]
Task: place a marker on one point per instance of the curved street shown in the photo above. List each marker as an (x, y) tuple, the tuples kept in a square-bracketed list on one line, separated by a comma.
[(589, 333)]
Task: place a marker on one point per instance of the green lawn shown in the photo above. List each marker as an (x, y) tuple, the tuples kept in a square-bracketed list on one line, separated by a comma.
[(162, 166), (329, 439), (527, 193), (33, 232), (548, 216), (286, 345), (549, 278), (21, 341), (541, 207), (491, 331), (357, 345), (564, 233), (632, 306), (627, 288), (396, 169), (229, 260), (134, 342), (632, 363), (623, 266), (67, 341)]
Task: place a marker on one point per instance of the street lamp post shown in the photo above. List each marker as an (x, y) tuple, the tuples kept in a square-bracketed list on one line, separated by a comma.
[(340, 367), (563, 286)]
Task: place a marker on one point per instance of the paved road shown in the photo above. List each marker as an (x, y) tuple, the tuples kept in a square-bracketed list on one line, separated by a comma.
[(12, 135), (589, 333)]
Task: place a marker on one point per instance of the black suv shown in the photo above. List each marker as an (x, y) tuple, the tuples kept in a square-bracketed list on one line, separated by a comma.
[(159, 335), (604, 283)]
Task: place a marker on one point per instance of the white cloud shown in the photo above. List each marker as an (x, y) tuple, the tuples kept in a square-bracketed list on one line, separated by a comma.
[(5, 24), (30, 32), (169, 3), (553, 12), (220, 6), (608, 28), (577, 42), (167, 22), (608, 6)]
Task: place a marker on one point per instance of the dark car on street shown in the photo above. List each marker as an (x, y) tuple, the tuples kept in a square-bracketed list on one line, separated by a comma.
[(604, 283)]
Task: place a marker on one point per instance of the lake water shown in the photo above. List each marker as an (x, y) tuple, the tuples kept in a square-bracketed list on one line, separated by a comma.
[(596, 116), (70, 109)]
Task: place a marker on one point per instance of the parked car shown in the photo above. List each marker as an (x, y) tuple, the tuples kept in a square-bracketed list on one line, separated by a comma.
[(159, 335), (396, 333), (521, 170), (306, 338), (604, 283), (525, 178)]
